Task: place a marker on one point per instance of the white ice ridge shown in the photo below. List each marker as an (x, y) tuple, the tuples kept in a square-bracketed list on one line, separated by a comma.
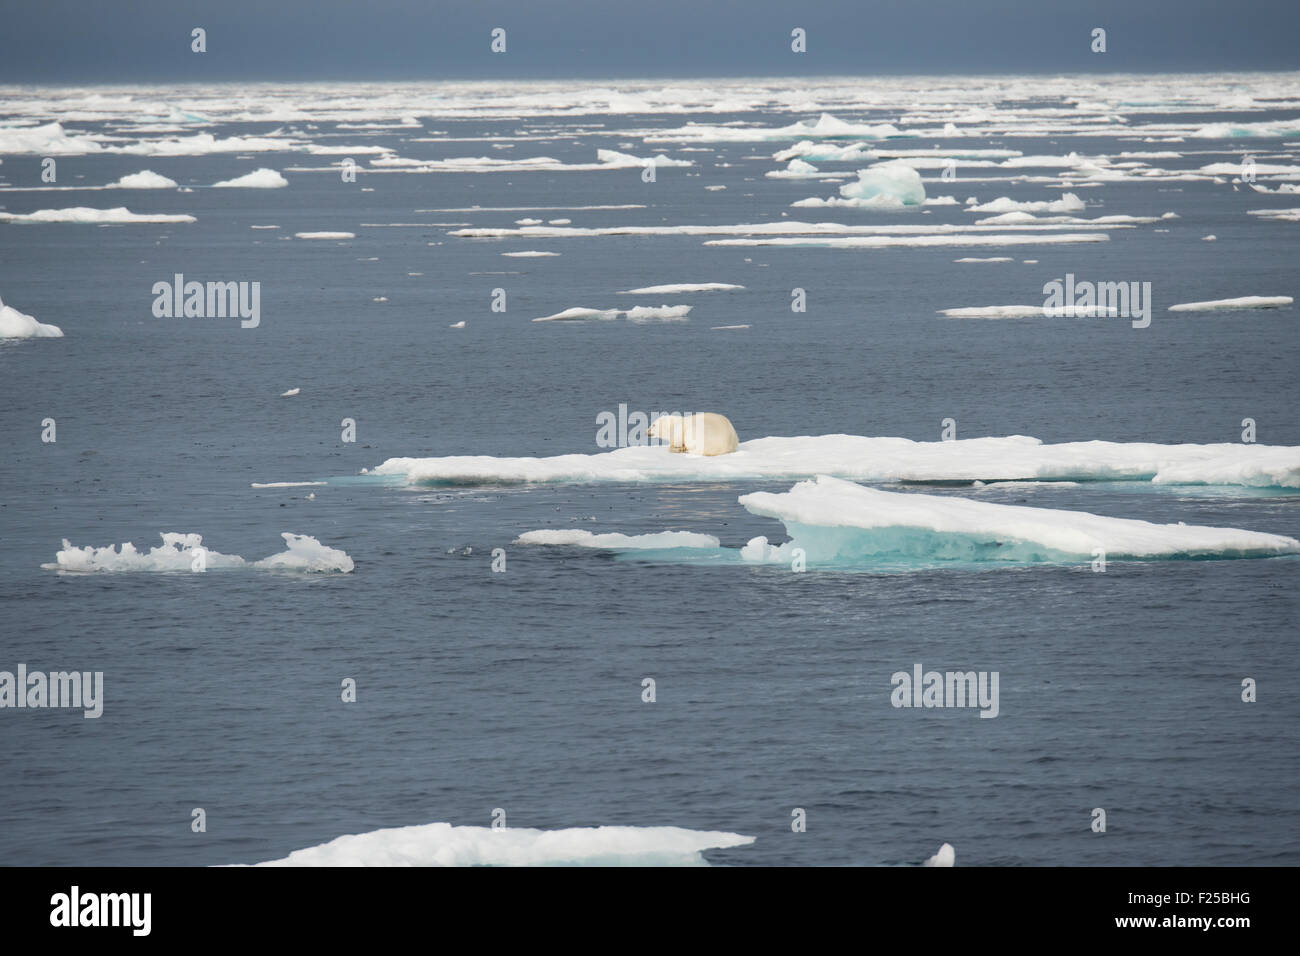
[(84, 214), (530, 254), (614, 541), (835, 521), (1030, 311), (679, 287), (20, 325), (324, 235), (884, 242), (861, 458), (441, 844), (638, 313), (258, 179), (1243, 302), (180, 551)]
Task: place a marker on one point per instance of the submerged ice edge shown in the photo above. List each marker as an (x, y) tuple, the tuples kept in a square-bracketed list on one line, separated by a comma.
[(886, 460)]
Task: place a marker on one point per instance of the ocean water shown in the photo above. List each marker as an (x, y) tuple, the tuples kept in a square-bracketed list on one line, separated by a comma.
[(522, 690)]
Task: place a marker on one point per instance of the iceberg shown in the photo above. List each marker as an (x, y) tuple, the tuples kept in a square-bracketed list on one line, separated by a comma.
[(441, 844)]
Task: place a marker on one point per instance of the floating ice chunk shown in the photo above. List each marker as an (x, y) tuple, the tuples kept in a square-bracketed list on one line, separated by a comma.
[(441, 844), (529, 254), (988, 259), (1210, 238), (528, 222), (1068, 202), (305, 553), (1281, 188), (664, 313), (292, 392), (838, 522), (84, 214), (680, 287), (579, 314), (895, 180), (726, 328), (617, 160), (145, 179), (179, 551), (1288, 215), (559, 222), (258, 179), (286, 484), (1261, 169), (457, 325), (20, 325), (615, 541), (1243, 302), (49, 139), (324, 235), (797, 169), (945, 857)]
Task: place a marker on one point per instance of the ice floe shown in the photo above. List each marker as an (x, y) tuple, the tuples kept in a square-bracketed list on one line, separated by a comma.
[(20, 325), (1241, 302), (441, 844), (837, 522), (258, 179), (145, 179), (118, 215), (882, 459), (186, 552)]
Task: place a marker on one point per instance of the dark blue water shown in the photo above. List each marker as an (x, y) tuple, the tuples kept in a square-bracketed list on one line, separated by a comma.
[(522, 690)]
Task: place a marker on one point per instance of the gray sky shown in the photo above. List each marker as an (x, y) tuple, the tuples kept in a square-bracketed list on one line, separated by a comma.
[(80, 41)]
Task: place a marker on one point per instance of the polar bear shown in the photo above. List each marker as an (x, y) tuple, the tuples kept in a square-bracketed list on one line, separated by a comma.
[(704, 433)]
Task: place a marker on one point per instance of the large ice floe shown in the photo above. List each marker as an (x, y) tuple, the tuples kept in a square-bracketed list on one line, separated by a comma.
[(186, 552), (836, 524), (19, 325), (119, 215), (1017, 457), (441, 844)]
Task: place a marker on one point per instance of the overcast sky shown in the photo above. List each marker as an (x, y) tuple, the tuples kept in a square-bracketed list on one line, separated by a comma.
[(80, 41)]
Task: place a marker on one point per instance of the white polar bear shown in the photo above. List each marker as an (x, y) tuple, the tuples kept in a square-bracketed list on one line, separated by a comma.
[(704, 433)]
